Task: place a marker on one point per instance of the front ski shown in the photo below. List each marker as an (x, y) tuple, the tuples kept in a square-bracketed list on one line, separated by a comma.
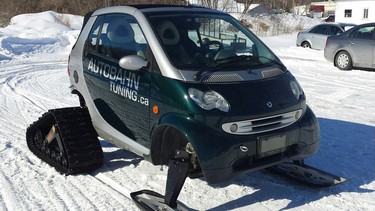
[(148, 200), (178, 171), (306, 174)]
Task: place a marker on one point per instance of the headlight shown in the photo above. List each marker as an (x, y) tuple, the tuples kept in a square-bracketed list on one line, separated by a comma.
[(296, 89), (209, 100)]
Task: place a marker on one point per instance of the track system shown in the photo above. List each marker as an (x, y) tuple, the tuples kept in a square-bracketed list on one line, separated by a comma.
[(65, 139)]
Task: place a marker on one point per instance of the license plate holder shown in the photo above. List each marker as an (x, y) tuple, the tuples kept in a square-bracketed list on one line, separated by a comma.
[(271, 145)]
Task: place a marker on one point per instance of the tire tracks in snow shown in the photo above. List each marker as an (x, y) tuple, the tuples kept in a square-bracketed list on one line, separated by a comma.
[(8, 194), (26, 90), (29, 89), (344, 80)]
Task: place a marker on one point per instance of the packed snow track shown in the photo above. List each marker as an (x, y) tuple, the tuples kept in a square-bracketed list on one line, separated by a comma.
[(34, 81)]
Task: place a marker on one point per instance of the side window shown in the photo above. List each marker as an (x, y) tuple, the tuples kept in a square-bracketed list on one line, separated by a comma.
[(364, 33), (93, 40), (116, 36), (193, 36), (365, 13), (335, 30), (320, 29), (347, 13)]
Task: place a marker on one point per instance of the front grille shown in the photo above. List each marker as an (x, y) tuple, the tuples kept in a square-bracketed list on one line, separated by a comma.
[(261, 125), (222, 78)]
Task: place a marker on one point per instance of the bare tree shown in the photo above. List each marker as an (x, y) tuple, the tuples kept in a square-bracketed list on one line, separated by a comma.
[(246, 4), (213, 4), (226, 4)]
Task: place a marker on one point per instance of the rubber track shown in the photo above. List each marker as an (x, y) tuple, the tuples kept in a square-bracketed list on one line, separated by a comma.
[(81, 146)]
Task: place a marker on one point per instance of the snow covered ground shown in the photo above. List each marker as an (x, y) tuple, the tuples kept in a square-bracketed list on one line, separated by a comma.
[(33, 78)]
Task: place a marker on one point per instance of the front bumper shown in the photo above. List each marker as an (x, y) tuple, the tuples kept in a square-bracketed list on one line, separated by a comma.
[(224, 156)]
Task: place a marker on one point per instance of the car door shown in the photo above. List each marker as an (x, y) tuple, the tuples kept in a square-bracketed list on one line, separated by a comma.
[(318, 36), (120, 96), (361, 46)]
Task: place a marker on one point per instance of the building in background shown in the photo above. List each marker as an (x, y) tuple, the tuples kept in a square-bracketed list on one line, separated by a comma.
[(355, 11), (322, 9)]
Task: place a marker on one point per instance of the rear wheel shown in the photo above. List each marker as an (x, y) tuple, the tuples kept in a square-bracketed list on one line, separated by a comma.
[(306, 45), (343, 61)]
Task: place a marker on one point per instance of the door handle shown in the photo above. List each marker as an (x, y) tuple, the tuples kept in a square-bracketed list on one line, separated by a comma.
[(351, 43)]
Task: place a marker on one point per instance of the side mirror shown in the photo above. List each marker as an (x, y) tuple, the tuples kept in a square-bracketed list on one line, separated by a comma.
[(132, 62)]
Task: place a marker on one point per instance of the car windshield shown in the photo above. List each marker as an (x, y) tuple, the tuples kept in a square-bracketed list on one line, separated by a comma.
[(206, 41)]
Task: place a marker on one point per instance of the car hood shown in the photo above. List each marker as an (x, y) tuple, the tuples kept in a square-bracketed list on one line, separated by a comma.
[(270, 95)]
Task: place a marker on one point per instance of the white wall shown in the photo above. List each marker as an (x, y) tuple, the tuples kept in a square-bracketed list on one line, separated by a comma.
[(357, 8)]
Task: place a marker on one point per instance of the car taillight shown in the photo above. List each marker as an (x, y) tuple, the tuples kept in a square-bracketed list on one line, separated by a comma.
[(327, 41), (68, 65)]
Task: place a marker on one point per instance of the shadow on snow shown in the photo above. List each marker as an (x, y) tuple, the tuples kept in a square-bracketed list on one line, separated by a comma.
[(346, 149)]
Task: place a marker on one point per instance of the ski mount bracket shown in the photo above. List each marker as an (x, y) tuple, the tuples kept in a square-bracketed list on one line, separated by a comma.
[(177, 172)]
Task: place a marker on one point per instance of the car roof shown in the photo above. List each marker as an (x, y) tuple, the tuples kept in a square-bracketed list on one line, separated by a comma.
[(330, 24), (148, 6), (144, 8), (366, 24), (337, 24), (358, 26), (346, 24)]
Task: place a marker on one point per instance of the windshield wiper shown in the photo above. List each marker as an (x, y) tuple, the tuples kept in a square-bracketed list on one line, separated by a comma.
[(212, 68), (198, 76)]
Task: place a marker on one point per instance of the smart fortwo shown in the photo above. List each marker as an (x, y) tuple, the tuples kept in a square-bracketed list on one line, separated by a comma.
[(182, 86)]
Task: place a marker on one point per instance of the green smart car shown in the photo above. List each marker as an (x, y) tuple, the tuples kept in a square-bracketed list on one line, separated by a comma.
[(157, 79), (177, 85)]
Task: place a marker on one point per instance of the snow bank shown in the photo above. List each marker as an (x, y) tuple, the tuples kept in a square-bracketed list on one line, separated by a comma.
[(42, 33), (49, 32), (276, 24)]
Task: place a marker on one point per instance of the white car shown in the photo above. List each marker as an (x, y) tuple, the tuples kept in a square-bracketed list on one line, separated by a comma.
[(316, 36), (354, 48)]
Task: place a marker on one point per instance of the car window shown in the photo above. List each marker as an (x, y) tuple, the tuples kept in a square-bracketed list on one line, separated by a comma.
[(363, 32), (320, 29), (93, 40), (194, 37), (334, 30), (116, 36), (209, 42)]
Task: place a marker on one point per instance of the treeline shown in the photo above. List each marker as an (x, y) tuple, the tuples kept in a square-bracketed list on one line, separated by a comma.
[(78, 7), (10, 8)]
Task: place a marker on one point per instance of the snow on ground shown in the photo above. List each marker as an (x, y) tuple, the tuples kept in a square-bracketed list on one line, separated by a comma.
[(33, 78)]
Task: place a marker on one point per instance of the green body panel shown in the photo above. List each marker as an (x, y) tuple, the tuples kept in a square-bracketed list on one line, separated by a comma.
[(219, 153), (217, 149)]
